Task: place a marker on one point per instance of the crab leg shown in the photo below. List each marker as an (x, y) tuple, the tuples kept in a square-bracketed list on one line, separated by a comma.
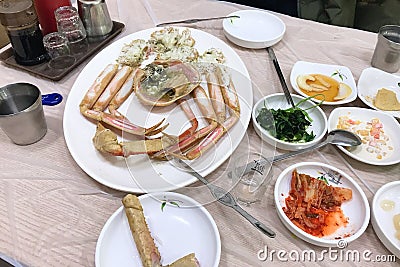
[(124, 92), (232, 101), (189, 113), (106, 141), (148, 250), (205, 106), (112, 88), (102, 90), (97, 88), (215, 93)]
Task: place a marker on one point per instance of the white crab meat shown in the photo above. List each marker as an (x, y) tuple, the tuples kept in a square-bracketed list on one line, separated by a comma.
[(134, 53)]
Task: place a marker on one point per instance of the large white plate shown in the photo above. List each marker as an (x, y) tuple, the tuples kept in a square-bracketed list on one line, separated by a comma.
[(177, 231), (382, 220), (371, 80), (391, 128), (138, 173), (357, 209), (339, 73)]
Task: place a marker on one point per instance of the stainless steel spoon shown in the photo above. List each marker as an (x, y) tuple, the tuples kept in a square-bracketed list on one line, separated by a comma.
[(335, 137)]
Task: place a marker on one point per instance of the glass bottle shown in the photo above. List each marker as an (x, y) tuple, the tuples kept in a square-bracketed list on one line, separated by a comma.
[(22, 26)]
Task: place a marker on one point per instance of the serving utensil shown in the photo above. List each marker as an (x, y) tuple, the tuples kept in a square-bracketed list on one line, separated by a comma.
[(224, 197), (336, 137), (271, 54), (190, 21)]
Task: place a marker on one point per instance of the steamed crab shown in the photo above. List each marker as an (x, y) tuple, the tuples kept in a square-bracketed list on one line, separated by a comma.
[(174, 75)]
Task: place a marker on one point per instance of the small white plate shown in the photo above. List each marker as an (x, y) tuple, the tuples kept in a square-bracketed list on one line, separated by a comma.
[(357, 209), (390, 127), (181, 227), (339, 73), (254, 29), (371, 80), (382, 221), (318, 125)]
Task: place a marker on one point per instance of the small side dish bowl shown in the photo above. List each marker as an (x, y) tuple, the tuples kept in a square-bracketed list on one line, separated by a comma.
[(385, 205), (356, 209), (254, 29), (377, 130), (371, 81), (339, 75), (278, 101)]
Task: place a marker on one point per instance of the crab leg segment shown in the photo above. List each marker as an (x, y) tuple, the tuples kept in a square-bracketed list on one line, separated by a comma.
[(98, 87), (148, 250), (215, 93)]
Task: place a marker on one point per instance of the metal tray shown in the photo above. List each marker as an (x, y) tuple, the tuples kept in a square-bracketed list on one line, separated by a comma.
[(57, 74)]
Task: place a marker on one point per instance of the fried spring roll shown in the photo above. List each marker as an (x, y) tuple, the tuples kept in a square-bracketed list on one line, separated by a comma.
[(148, 251)]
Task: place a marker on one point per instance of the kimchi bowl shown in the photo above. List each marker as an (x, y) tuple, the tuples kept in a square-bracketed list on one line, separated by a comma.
[(321, 204)]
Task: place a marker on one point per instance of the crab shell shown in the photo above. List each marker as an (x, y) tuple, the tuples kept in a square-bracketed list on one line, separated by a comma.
[(175, 80)]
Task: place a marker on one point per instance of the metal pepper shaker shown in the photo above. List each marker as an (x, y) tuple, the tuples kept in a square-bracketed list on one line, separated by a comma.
[(95, 17)]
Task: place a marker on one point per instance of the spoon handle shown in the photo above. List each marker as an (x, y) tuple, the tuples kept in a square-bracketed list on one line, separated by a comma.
[(190, 21), (297, 152)]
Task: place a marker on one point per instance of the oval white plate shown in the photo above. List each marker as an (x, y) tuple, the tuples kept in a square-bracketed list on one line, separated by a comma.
[(357, 209), (390, 126), (254, 28), (339, 73), (138, 173), (371, 80), (176, 230), (319, 125), (382, 220)]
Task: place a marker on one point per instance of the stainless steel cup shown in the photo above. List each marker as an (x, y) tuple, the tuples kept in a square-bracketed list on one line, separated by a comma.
[(387, 50), (21, 112), (95, 17)]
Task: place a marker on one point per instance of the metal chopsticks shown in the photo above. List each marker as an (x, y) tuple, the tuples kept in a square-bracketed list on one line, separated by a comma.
[(190, 21), (280, 75)]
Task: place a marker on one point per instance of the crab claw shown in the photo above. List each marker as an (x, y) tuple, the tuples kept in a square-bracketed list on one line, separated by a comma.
[(106, 141)]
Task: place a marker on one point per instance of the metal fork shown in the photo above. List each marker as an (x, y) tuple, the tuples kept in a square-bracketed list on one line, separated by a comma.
[(226, 198)]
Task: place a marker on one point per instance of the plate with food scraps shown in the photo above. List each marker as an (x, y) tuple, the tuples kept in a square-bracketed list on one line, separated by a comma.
[(332, 220), (178, 224), (378, 132), (380, 90), (333, 84), (138, 172), (385, 216)]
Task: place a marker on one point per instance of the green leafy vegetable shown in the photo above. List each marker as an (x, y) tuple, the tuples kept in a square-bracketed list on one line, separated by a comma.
[(288, 125)]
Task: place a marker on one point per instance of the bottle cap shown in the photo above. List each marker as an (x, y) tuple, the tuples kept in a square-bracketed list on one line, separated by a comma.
[(17, 12)]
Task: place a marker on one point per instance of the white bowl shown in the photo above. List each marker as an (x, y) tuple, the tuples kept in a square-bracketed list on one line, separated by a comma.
[(382, 221), (357, 209), (391, 129), (371, 80), (339, 73), (275, 101), (254, 29)]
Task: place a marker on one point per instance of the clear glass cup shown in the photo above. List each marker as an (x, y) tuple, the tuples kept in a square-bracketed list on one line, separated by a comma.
[(250, 183), (70, 24), (57, 48)]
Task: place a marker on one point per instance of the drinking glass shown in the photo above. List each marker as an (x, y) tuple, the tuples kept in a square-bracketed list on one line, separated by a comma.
[(249, 184), (387, 50), (57, 48), (69, 23)]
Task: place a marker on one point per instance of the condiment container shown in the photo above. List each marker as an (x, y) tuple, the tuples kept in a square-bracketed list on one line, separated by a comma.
[(22, 26), (45, 11)]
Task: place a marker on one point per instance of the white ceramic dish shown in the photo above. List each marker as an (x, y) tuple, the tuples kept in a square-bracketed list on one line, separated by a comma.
[(390, 126), (275, 101), (254, 29), (357, 209), (138, 173), (339, 73), (177, 231), (371, 80), (382, 221)]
